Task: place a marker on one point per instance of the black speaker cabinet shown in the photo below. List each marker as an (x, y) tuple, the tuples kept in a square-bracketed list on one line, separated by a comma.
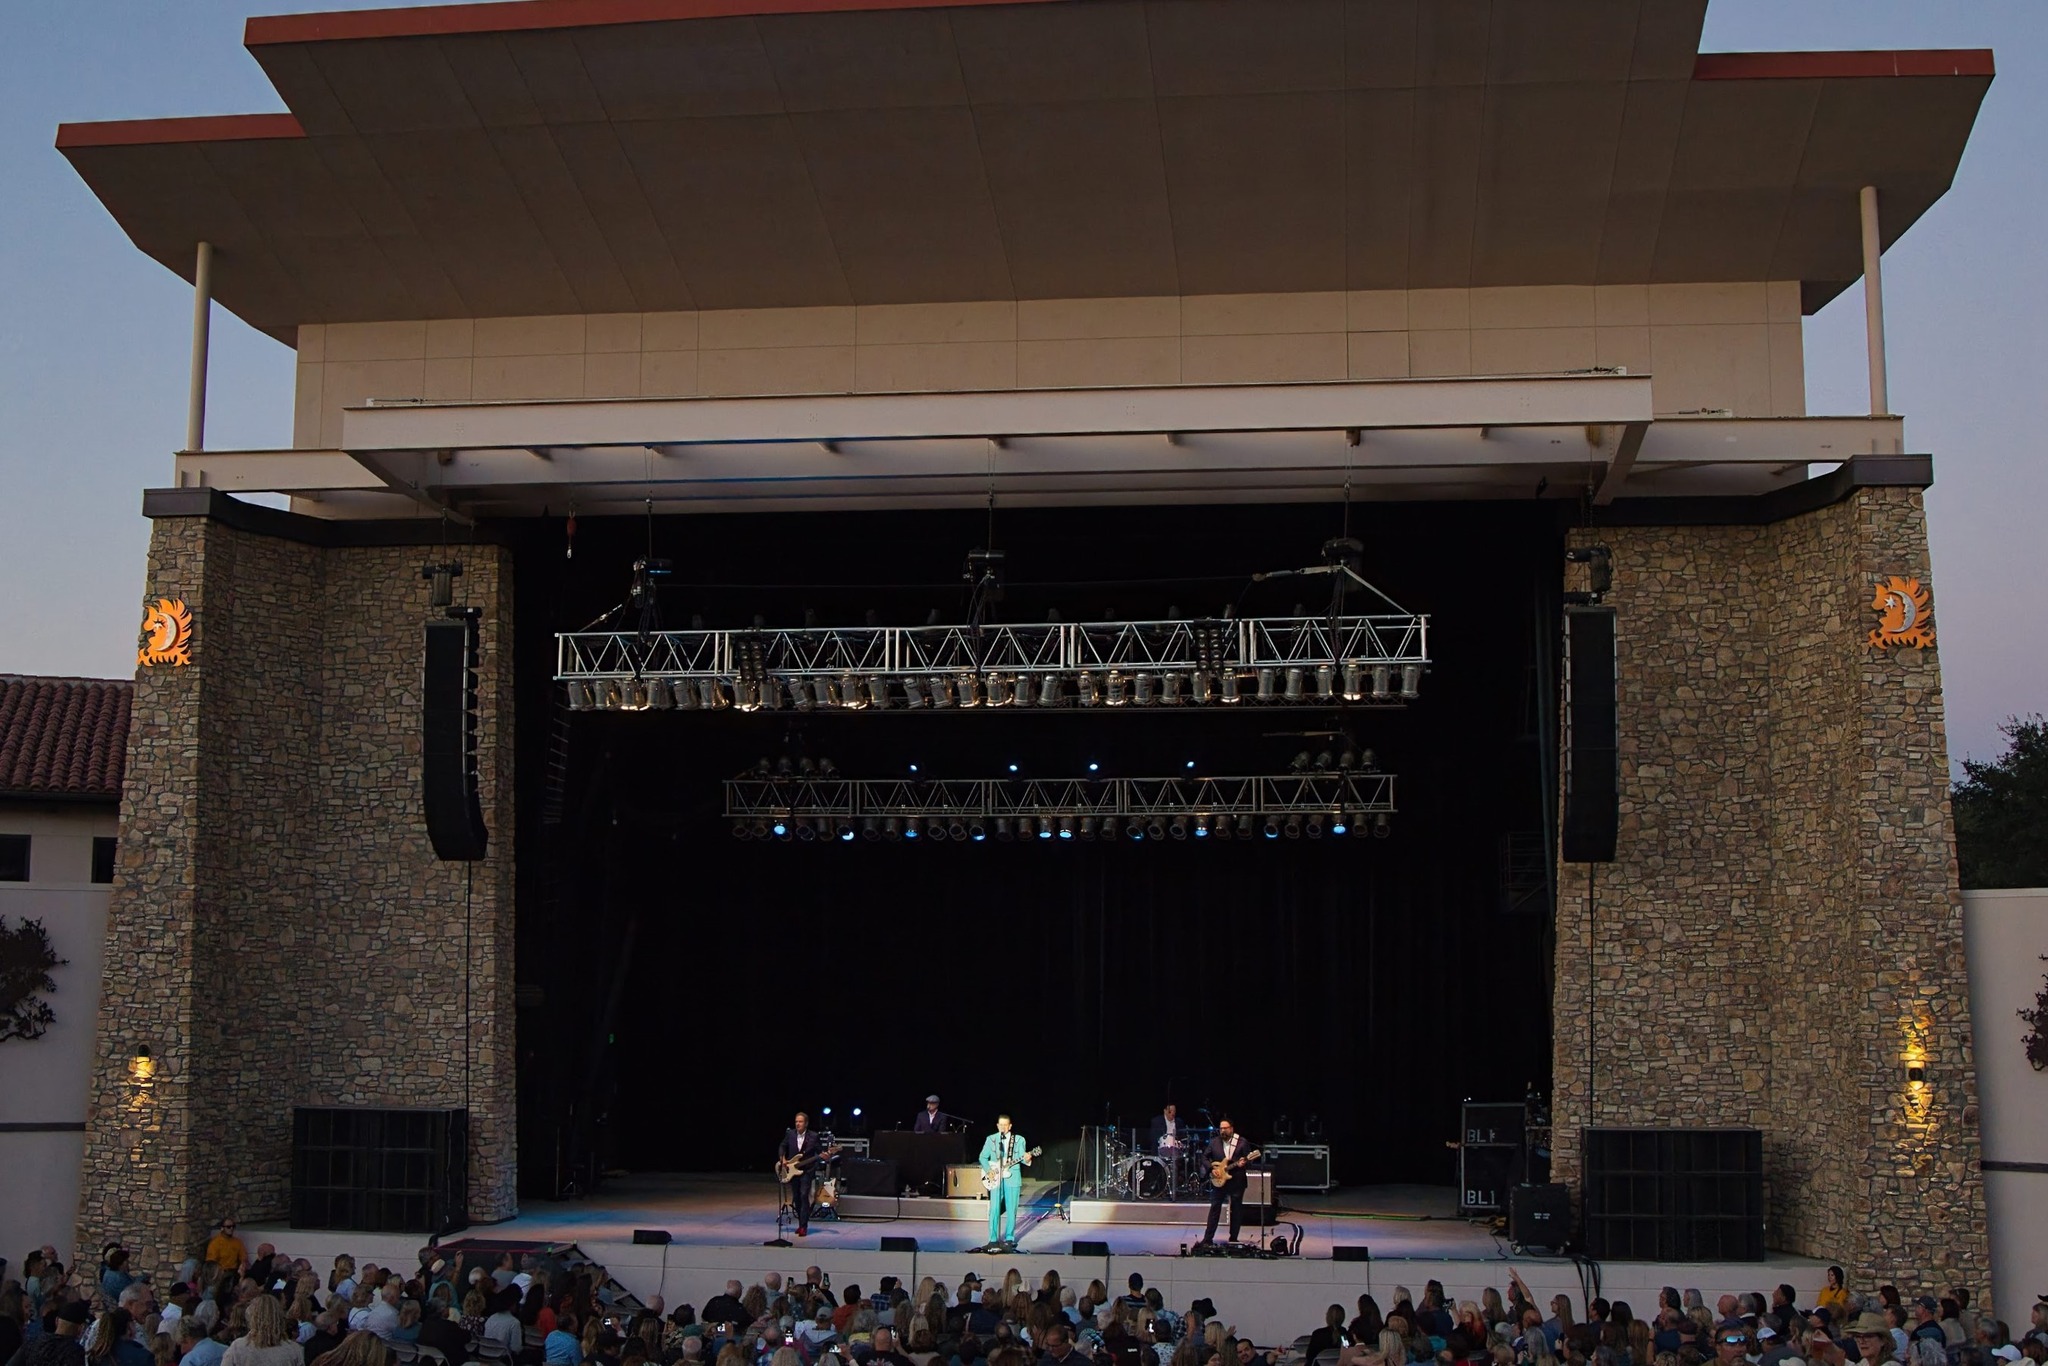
[(1674, 1195), (867, 1176), (380, 1171), (448, 740), (1592, 729), (1540, 1216), (1491, 1157)]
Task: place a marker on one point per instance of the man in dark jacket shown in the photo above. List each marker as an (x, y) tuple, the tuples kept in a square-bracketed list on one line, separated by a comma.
[(60, 1346)]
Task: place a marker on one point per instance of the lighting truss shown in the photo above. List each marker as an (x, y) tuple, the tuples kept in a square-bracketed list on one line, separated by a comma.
[(1324, 794), (1265, 661)]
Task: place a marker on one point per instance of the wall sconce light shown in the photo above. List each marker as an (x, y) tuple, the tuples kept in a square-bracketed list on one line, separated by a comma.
[(1916, 1073), (142, 1066)]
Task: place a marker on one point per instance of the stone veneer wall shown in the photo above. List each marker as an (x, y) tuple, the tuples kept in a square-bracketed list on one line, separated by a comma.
[(1782, 925), (280, 932)]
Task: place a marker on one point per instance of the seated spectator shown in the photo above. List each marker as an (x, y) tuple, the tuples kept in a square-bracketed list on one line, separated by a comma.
[(1834, 1294), (264, 1344), (503, 1326), (114, 1342), (1331, 1337)]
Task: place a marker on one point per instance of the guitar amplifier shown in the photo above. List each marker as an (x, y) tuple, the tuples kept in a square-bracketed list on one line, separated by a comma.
[(964, 1183)]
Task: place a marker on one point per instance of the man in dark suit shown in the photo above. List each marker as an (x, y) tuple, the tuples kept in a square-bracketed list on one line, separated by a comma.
[(931, 1119), (1168, 1133), (800, 1144), (1233, 1150)]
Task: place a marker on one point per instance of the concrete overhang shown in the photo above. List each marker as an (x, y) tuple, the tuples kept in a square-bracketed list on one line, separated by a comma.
[(1559, 436), (599, 156)]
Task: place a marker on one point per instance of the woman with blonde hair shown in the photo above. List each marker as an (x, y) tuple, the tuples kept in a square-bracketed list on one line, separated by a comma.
[(361, 1348), (1393, 1349), (265, 1344), (344, 1272), (785, 1356), (114, 1344)]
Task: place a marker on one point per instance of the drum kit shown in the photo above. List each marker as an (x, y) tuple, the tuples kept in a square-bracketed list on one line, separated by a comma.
[(1177, 1168)]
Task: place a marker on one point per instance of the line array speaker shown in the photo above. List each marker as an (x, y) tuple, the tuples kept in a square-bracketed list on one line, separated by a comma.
[(1674, 1195), (448, 751), (1592, 729), (380, 1171)]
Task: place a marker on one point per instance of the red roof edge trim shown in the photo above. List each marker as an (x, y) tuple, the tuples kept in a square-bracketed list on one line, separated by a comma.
[(1754, 66), (206, 128), (510, 16)]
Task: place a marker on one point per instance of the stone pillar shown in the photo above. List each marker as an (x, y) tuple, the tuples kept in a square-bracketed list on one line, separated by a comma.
[(280, 933), (1782, 929)]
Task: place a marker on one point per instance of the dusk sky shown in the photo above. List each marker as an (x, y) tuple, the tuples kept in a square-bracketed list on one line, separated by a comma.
[(94, 335)]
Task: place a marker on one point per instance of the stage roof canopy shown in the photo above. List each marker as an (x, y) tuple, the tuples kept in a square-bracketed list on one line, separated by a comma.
[(570, 156)]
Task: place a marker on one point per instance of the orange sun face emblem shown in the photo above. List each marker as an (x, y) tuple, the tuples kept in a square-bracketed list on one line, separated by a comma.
[(1905, 616), (166, 633)]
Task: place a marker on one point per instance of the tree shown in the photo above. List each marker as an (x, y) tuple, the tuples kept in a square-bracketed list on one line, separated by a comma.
[(2001, 811), (25, 962)]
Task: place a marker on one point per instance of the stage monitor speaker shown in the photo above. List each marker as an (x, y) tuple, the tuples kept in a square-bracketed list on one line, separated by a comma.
[(1084, 1248), (1592, 729), (963, 1182), (1674, 1195), (1350, 1252), (868, 1176), (1491, 1155), (896, 1244), (652, 1235), (380, 1171), (448, 735), (1540, 1216)]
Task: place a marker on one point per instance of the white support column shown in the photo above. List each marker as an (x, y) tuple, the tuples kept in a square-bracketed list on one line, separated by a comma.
[(202, 319), (1873, 302)]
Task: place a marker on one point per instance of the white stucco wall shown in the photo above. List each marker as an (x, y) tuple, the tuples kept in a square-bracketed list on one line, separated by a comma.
[(43, 1082), (2005, 934)]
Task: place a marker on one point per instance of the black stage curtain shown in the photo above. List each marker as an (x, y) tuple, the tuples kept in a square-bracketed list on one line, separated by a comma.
[(686, 991)]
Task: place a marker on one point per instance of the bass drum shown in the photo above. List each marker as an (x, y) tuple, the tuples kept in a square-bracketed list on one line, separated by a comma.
[(1149, 1179)]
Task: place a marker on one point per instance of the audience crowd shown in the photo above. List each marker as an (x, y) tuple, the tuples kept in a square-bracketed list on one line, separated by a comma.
[(231, 1308)]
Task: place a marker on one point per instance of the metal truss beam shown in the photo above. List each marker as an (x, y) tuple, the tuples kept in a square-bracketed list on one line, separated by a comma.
[(1354, 793)]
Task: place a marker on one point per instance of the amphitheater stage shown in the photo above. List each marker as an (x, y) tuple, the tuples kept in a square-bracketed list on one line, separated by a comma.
[(719, 1225)]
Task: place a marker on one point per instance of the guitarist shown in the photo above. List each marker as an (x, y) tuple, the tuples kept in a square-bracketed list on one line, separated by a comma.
[(802, 1148), (1005, 1152), (1233, 1150)]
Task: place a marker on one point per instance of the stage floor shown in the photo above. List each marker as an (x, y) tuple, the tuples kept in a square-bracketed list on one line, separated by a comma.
[(721, 1210)]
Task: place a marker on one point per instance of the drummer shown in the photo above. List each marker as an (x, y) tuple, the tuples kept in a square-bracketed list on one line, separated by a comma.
[(1169, 1135)]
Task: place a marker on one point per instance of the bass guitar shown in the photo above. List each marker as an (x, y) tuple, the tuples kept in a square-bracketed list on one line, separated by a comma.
[(788, 1169), (1219, 1170), (994, 1176)]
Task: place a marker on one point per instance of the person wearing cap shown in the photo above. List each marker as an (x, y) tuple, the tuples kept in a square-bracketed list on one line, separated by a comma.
[(1927, 1322), (931, 1119), (60, 1346)]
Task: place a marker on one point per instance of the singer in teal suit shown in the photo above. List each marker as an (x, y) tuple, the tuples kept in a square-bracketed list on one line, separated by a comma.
[(1003, 1200)]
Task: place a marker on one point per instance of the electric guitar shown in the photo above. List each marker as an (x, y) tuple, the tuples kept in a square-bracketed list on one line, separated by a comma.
[(788, 1169), (994, 1176), (1219, 1170)]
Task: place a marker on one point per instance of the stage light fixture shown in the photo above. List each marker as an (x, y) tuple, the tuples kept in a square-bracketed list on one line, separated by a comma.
[(1244, 827), (957, 829), (845, 830), (937, 832), (976, 831), (1090, 693), (998, 691), (1145, 687), (1201, 687), (780, 829), (740, 831), (1201, 827), (870, 828), (942, 695), (912, 827), (804, 833), (1050, 691), (1411, 681), (685, 694), (800, 693), (1113, 689), (1296, 679), (827, 691), (1230, 695), (1169, 688), (1338, 825), (913, 692), (826, 1112), (1293, 827), (1382, 682), (878, 693), (1272, 827), (852, 695), (968, 686), (1109, 827), (1155, 829), (1354, 681), (1299, 763), (1326, 681), (1368, 761), (892, 830), (711, 695), (1136, 829), (1347, 759), (1084, 829), (784, 768), (1267, 688), (1381, 827), (579, 695), (1066, 827), (1178, 827), (1313, 827), (1045, 827), (1004, 831), (1324, 762)]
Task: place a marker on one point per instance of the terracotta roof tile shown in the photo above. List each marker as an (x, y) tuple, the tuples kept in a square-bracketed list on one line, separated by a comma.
[(63, 737)]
